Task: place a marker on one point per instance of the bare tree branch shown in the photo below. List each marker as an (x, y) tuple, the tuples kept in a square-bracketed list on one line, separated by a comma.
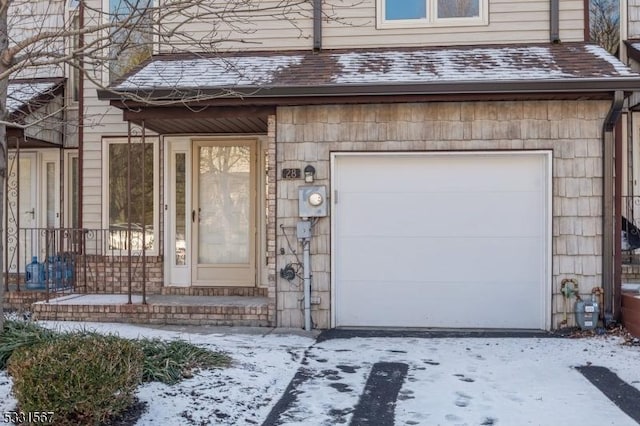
[(604, 24)]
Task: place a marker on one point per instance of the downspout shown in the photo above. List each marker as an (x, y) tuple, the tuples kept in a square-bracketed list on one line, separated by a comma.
[(554, 27), (317, 25), (617, 235), (587, 20), (608, 207)]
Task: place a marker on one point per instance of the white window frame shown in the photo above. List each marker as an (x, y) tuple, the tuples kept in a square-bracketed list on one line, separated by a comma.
[(431, 20), (70, 155), (106, 142), (106, 15), (73, 79)]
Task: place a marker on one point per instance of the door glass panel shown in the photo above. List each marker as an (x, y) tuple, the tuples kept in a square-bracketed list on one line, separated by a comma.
[(142, 212), (51, 194), (180, 205), (224, 183)]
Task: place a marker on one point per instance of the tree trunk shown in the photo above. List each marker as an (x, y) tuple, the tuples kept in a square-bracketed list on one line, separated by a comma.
[(4, 83)]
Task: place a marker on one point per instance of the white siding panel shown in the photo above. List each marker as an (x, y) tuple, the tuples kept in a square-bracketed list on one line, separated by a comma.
[(100, 120), (352, 23), (509, 21), (274, 25)]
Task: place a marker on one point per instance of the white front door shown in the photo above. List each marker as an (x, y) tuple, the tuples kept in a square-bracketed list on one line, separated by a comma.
[(21, 210), (33, 203), (223, 214)]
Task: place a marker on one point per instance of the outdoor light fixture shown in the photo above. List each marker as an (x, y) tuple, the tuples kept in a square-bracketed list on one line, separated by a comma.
[(309, 173)]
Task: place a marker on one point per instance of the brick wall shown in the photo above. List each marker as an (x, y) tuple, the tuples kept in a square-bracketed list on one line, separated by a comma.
[(110, 274), (572, 129)]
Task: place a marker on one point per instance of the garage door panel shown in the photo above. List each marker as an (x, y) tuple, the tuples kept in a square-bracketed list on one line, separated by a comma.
[(439, 173), (445, 305), (424, 214), (442, 259), (444, 240)]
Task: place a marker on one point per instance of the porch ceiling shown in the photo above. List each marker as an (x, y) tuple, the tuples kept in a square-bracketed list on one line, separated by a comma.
[(177, 120)]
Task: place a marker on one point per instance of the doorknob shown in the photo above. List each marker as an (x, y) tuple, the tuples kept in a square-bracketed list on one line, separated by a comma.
[(32, 212)]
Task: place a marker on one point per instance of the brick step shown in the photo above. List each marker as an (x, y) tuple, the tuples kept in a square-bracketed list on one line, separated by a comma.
[(215, 291), (631, 312), (160, 309), (21, 300), (630, 272)]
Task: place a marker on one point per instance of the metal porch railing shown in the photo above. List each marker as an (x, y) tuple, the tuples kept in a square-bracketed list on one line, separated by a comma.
[(630, 229), (64, 260)]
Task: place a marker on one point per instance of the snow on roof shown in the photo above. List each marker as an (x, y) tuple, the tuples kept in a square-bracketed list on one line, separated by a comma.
[(22, 93), (448, 65), (602, 53), (379, 66), (210, 72)]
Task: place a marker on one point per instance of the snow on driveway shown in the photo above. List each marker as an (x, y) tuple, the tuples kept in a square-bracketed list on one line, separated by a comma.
[(450, 381), (468, 381)]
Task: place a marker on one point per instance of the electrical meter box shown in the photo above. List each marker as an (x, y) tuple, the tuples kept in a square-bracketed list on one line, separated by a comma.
[(587, 312), (312, 201)]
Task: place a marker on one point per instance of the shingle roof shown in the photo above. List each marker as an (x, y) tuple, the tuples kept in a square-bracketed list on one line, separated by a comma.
[(21, 93), (342, 69)]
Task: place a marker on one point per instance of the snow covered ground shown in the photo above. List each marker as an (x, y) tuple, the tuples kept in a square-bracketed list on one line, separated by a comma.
[(469, 381), (457, 381), (242, 394)]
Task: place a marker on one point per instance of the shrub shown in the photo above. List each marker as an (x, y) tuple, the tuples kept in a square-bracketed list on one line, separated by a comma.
[(17, 334), (84, 378), (169, 362)]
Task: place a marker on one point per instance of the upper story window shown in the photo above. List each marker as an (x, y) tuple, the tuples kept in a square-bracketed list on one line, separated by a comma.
[(73, 43), (417, 13), (131, 35)]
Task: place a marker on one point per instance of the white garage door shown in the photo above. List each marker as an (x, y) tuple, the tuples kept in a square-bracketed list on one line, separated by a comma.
[(455, 240)]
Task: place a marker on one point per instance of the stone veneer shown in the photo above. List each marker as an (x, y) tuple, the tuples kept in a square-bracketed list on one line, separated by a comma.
[(572, 129)]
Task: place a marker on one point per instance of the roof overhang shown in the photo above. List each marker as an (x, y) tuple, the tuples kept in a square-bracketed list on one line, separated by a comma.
[(24, 96), (17, 139), (35, 111), (526, 72), (286, 94)]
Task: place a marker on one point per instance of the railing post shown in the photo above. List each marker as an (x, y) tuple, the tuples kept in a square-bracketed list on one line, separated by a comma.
[(144, 218), (129, 239)]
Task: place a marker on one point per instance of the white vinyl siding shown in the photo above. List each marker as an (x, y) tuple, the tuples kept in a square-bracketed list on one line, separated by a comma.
[(353, 24), (510, 21), (27, 18), (265, 28)]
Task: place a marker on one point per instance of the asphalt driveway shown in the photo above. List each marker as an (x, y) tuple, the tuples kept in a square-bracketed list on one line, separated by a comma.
[(463, 381), (285, 377)]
